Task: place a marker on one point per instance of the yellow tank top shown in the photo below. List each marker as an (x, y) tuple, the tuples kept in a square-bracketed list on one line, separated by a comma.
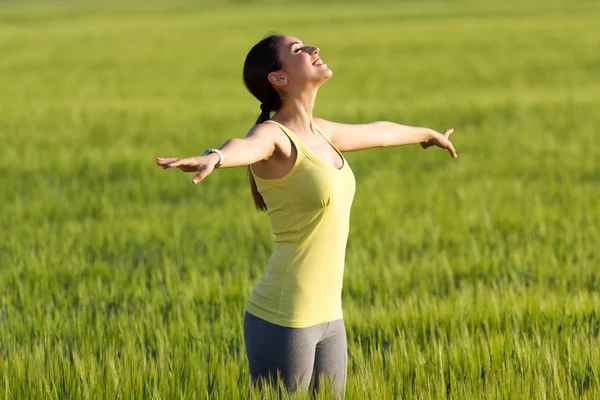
[(309, 210)]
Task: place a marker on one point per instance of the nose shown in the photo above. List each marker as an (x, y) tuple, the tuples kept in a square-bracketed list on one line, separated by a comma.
[(314, 51)]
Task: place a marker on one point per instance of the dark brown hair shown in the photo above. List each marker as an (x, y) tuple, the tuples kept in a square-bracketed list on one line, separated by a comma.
[(261, 60)]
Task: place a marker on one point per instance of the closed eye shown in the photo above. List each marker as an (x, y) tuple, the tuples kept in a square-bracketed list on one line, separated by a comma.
[(299, 49)]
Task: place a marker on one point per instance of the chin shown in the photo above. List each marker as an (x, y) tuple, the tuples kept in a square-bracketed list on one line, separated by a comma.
[(321, 77), (326, 75)]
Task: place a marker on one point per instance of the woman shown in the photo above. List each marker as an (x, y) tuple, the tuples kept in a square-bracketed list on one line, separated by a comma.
[(293, 325)]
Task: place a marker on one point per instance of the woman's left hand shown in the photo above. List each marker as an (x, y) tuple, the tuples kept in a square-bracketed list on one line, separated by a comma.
[(441, 140)]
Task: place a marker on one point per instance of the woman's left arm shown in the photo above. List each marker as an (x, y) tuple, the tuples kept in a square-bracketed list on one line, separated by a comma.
[(348, 137)]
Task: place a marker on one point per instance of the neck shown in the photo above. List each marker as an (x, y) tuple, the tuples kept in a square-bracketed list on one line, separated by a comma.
[(297, 110)]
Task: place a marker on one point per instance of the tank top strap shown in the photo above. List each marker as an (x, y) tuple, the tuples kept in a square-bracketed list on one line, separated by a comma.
[(318, 128), (297, 142)]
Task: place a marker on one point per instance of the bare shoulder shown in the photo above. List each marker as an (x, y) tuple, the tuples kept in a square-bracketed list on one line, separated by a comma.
[(263, 130), (268, 133)]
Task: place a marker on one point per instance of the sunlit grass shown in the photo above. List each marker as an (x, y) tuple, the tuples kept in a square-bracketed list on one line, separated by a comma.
[(469, 278)]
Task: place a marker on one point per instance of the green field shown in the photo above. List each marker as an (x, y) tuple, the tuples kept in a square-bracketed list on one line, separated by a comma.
[(470, 278)]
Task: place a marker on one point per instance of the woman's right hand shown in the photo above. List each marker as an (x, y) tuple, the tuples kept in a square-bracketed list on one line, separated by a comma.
[(203, 164)]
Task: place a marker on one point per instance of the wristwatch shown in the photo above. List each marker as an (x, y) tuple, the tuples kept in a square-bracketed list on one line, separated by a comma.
[(221, 158)]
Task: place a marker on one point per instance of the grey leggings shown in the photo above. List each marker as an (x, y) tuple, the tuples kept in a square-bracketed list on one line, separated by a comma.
[(295, 353)]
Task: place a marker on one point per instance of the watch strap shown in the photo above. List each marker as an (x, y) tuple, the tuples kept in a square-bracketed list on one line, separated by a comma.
[(221, 158)]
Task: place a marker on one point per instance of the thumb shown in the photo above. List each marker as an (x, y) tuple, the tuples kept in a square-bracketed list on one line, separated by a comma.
[(204, 172), (198, 178)]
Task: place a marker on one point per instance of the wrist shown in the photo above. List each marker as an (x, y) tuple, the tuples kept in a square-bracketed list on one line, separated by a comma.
[(431, 134), (215, 159), (428, 134), (216, 155)]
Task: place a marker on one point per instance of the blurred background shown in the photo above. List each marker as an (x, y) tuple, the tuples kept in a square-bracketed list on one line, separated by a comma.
[(476, 277)]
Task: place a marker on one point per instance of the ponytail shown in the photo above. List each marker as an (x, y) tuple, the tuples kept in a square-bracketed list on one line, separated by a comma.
[(262, 59), (259, 202)]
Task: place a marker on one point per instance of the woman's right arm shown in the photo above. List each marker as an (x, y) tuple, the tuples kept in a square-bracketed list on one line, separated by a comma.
[(258, 145)]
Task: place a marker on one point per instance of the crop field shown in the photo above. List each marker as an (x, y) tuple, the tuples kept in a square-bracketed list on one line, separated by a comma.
[(474, 278)]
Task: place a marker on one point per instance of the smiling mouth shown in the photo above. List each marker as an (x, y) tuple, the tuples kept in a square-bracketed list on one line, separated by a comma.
[(317, 62)]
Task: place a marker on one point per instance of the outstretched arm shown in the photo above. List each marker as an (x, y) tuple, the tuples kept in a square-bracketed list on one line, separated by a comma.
[(258, 145), (383, 134)]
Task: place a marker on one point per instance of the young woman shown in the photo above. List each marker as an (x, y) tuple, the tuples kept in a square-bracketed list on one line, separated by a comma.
[(293, 325)]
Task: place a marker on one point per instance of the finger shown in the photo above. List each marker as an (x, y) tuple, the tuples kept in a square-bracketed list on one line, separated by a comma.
[(452, 150), (448, 132), (163, 161), (178, 162), (198, 178)]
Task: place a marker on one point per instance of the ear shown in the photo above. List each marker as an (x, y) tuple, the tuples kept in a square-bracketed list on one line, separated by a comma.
[(278, 78)]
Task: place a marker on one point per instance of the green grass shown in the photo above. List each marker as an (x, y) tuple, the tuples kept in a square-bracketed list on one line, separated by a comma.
[(470, 278)]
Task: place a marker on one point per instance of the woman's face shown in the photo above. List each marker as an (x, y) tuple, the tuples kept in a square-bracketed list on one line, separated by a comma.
[(302, 64)]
